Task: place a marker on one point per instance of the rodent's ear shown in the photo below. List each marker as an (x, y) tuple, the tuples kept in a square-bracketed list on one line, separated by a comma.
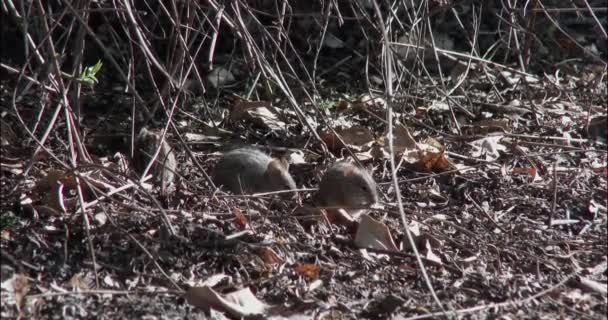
[(277, 165)]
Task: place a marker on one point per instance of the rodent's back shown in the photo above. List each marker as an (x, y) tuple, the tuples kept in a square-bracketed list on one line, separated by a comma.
[(346, 185), (249, 170)]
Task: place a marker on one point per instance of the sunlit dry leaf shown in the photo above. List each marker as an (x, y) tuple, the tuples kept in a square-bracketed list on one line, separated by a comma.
[(267, 118), (488, 148), (530, 171), (215, 280), (210, 135), (376, 105), (77, 283), (239, 219), (374, 234), (365, 157), (309, 270), (101, 218), (435, 162), (296, 157), (403, 139), (238, 304), (110, 282), (5, 235), (432, 256), (357, 138), (259, 113), (21, 288), (269, 256)]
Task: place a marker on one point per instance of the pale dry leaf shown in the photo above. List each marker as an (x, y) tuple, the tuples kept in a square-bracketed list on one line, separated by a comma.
[(357, 138), (215, 279), (430, 255), (488, 148), (374, 234), (238, 304), (296, 157), (78, 282), (259, 113), (404, 140), (219, 77)]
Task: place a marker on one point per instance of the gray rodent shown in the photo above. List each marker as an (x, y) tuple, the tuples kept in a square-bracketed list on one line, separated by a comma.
[(345, 185), (248, 170), (148, 141)]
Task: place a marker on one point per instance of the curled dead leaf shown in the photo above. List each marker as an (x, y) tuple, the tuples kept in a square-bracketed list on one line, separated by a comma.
[(269, 256), (309, 270), (239, 219)]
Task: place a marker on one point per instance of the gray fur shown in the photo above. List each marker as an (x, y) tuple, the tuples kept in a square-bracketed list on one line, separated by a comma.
[(347, 186), (247, 170)]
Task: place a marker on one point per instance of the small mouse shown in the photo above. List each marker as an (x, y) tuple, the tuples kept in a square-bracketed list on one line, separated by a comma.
[(248, 170), (345, 185), (146, 144)]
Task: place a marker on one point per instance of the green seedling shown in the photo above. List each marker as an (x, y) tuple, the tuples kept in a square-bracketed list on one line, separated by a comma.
[(89, 73)]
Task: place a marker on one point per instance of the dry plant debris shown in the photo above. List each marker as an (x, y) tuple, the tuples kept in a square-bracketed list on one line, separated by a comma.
[(493, 113)]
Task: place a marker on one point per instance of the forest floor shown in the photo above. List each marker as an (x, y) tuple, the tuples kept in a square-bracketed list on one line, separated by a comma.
[(507, 210)]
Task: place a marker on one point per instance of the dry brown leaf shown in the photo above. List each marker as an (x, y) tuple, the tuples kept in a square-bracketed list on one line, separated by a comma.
[(374, 234), (435, 162), (5, 235), (404, 140), (77, 282), (239, 219), (259, 113), (309, 270), (269, 256), (531, 171), (356, 137)]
